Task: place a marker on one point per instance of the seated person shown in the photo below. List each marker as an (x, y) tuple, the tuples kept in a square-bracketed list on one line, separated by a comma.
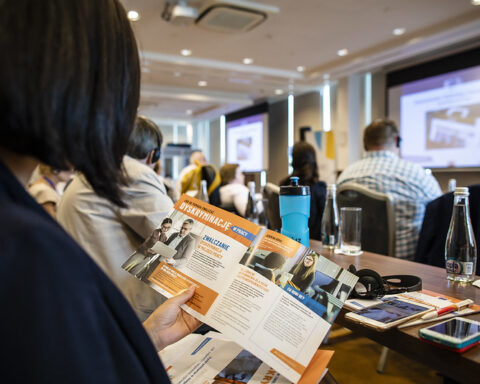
[(233, 192), (304, 271), (305, 167), (382, 170), (44, 188), (272, 262), (109, 233), (191, 182)]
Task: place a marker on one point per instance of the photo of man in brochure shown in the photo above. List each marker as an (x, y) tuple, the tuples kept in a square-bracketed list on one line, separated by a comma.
[(175, 249)]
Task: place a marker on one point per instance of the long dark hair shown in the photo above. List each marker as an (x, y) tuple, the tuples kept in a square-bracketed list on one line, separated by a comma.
[(304, 163), (69, 86)]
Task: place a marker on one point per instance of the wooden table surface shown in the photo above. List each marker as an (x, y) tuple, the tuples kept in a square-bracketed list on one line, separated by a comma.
[(465, 367)]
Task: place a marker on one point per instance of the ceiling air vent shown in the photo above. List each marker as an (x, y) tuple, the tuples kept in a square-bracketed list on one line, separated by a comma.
[(230, 19)]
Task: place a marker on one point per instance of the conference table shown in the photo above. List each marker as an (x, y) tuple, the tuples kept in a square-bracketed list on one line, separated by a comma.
[(462, 368)]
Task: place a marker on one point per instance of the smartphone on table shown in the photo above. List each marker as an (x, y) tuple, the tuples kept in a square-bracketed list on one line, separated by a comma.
[(389, 314), (456, 334)]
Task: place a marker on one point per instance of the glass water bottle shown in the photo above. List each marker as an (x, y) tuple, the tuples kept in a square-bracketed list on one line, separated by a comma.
[(202, 192), (460, 247), (251, 213), (329, 226)]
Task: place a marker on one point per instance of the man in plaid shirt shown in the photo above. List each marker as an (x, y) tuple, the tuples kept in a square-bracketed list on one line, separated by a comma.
[(381, 170)]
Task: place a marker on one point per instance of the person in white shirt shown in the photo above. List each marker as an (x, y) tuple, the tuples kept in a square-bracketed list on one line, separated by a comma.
[(111, 234), (233, 192)]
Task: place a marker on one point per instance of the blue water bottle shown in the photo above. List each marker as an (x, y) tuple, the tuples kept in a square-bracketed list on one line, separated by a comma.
[(295, 211)]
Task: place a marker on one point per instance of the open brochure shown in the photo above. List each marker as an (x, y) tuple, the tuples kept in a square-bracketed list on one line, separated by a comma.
[(274, 297), (212, 359)]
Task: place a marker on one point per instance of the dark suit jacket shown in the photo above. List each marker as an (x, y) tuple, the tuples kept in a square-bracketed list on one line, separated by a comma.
[(185, 248), (431, 242)]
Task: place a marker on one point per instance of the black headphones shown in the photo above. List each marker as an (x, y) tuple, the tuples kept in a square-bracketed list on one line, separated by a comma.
[(371, 285), (156, 151)]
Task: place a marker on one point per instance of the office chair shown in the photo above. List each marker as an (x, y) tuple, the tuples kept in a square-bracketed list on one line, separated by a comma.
[(272, 193), (378, 216)]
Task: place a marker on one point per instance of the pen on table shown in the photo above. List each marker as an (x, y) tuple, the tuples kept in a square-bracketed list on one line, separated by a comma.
[(444, 310), (444, 317)]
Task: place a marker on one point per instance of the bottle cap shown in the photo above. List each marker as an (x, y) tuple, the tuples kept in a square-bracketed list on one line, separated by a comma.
[(332, 187), (463, 191), (294, 188)]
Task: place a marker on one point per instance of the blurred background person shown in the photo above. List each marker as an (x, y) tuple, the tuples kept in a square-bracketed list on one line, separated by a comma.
[(305, 167), (382, 170), (233, 192), (197, 158), (109, 233), (44, 187)]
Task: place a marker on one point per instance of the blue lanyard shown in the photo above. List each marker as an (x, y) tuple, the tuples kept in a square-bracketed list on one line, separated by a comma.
[(50, 182)]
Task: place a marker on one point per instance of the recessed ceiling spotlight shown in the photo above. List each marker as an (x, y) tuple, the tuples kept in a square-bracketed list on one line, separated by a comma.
[(247, 60), (326, 76), (475, 2), (202, 83), (398, 31), (188, 111), (146, 70), (342, 52), (133, 15), (186, 52), (279, 92), (300, 68), (177, 74)]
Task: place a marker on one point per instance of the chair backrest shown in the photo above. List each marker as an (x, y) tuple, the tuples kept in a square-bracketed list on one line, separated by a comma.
[(272, 193), (378, 216)]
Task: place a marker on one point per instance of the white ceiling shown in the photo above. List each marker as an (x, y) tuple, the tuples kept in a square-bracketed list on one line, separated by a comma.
[(303, 33)]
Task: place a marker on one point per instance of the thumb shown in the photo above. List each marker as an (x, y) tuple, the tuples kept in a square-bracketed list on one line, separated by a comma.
[(183, 296)]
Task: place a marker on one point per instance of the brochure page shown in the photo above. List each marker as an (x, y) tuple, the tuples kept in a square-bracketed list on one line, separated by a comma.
[(213, 359), (268, 293)]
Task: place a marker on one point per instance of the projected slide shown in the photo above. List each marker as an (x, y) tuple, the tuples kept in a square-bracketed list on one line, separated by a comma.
[(245, 143), (440, 119)]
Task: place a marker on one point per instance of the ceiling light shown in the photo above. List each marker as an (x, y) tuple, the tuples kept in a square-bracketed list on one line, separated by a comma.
[(146, 70), (186, 52), (202, 83), (133, 15), (398, 31), (342, 52), (300, 68), (475, 2), (279, 92), (247, 60), (188, 111), (177, 74), (326, 76)]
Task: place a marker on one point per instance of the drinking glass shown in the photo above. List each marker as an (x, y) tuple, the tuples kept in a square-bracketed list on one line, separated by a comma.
[(350, 230)]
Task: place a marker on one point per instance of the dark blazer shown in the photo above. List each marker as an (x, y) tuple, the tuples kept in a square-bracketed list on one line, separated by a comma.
[(318, 195), (185, 248), (431, 242), (62, 318)]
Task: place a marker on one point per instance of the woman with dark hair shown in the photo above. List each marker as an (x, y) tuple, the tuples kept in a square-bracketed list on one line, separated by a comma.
[(305, 167), (69, 91)]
